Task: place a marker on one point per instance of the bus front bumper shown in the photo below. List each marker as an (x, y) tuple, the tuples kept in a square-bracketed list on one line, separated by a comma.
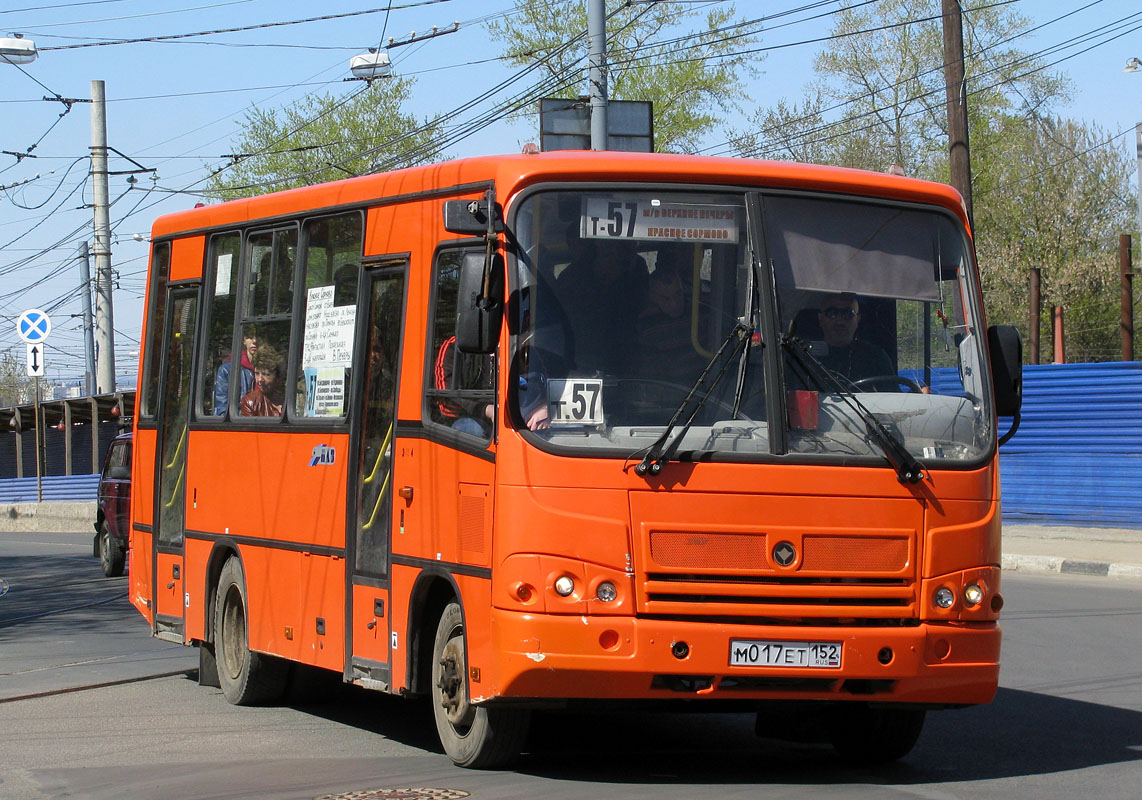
[(552, 657)]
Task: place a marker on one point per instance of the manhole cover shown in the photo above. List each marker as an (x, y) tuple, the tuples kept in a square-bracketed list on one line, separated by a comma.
[(3, 587), (397, 794)]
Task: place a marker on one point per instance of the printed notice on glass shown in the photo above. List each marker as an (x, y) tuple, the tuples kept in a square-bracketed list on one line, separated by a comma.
[(222, 275), (325, 391), (646, 219), (328, 331)]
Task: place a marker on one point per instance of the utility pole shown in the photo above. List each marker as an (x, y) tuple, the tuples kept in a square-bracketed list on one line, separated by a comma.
[(597, 63), (956, 88), (105, 354), (1126, 292), (88, 328), (1036, 313)]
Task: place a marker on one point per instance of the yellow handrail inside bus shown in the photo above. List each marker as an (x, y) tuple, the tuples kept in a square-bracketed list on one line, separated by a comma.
[(380, 456), (177, 484), (376, 506), (177, 450)]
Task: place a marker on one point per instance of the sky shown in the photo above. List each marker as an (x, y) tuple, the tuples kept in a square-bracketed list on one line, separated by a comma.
[(175, 104)]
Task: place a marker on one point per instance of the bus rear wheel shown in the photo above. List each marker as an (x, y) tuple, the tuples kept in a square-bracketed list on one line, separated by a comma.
[(865, 735), (246, 677), (473, 736)]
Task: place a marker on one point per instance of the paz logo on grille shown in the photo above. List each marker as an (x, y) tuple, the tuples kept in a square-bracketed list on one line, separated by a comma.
[(784, 554)]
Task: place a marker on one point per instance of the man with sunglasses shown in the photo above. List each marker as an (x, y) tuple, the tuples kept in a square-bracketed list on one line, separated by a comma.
[(849, 357)]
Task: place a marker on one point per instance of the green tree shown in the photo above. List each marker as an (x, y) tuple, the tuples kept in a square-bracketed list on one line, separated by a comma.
[(653, 53), (15, 386), (1047, 193), (1054, 194), (324, 138)]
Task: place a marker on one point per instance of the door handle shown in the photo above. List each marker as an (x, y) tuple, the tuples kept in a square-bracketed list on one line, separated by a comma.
[(405, 493)]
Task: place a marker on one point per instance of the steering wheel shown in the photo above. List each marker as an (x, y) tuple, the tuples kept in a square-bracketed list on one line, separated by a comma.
[(875, 383), (681, 391)]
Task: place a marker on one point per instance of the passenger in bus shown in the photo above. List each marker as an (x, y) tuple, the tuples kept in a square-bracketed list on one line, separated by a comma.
[(848, 356), (268, 394), (245, 370), (665, 350), (601, 291), (345, 285)]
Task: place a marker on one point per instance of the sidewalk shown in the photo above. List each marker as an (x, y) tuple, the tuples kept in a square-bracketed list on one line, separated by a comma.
[(1113, 552)]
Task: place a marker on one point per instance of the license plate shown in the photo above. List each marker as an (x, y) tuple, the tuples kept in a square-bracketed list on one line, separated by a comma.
[(753, 653)]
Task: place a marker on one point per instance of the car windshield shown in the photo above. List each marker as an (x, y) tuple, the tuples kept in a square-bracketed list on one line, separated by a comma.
[(630, 302)]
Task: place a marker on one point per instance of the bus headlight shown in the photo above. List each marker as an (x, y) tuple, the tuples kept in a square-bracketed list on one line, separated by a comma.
[(606, 592), (973, 595), (564, 586), (944, 597)]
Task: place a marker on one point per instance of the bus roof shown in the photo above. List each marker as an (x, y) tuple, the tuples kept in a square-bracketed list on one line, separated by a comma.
[(512, 173)]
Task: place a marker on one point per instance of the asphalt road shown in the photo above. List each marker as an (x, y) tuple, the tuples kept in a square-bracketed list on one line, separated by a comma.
[(1067, 721)]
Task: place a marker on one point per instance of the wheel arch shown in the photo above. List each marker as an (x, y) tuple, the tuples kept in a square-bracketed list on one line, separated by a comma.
[(433, 590), (223, 550)]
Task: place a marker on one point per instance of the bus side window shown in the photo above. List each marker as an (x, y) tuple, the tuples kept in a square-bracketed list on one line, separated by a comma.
[(460, 386), (225, 251), (332, 259), (266, 321), (156, 316)]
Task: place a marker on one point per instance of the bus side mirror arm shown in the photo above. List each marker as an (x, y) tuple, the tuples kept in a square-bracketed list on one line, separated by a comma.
[(1005, 347)]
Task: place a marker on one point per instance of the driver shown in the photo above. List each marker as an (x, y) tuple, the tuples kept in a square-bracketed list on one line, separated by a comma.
[(852, 358)]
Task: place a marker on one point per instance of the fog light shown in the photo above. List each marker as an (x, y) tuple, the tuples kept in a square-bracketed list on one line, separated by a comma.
[(606, 592), (945, 597), (524, 592), (564, 586), (973, 595)]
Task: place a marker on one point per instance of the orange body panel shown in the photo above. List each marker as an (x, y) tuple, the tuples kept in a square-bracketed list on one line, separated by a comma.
[(498, 528), (186, 258)]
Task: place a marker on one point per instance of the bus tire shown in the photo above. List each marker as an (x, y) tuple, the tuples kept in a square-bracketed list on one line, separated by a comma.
[(865, 735), (473, 736), (111, 555), (245, 677)]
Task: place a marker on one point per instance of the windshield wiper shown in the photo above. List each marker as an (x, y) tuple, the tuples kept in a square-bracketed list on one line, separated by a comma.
[(660, 453), (907, 468)]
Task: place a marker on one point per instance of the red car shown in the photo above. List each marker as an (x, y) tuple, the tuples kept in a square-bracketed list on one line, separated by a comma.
[(113, 519)]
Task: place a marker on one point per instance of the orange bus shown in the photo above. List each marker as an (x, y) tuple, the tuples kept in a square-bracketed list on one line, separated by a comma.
[(548, 428)]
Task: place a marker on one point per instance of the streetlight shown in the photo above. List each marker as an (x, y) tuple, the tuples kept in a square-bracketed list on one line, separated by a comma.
[(1133, 65), (371, 65), (17, 50)]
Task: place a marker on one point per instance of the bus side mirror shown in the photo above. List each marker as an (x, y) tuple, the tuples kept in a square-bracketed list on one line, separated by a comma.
[(471, 216), (1005, 346), (479, 315)]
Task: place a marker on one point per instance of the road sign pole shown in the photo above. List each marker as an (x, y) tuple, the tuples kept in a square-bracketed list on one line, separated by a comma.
[(39, 447)]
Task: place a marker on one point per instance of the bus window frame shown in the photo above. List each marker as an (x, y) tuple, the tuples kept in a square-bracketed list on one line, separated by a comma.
[(245, 300), (209, 276), (434, 430), (294, 368), (151, 346), (753, 197)]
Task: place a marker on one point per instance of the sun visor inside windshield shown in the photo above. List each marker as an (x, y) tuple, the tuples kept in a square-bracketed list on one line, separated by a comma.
[(876, 251)]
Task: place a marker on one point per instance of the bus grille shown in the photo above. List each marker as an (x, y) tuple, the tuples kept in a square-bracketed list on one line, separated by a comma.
[(731, 575)]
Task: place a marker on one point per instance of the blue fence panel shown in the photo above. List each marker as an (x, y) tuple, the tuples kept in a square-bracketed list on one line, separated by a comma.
[(1077, 457), (55, 487)]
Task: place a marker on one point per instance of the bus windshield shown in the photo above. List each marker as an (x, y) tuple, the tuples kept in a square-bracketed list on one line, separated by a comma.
[(633, 305)]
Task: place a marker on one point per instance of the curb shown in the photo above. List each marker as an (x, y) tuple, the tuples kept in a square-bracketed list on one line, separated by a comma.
[(1070, 566)]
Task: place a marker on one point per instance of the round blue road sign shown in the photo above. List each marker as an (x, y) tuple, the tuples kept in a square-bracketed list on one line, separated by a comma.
[(33, 326)]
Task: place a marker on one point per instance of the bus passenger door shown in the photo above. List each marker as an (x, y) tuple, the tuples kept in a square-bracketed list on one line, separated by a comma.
[(175, 392), (371, 483)]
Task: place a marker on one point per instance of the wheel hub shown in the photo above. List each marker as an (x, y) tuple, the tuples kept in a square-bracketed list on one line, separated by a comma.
[(453, 691)]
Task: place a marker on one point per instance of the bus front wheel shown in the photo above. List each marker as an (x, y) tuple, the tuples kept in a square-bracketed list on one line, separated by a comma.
[(246, 677), (473, 736), (865, 735)]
